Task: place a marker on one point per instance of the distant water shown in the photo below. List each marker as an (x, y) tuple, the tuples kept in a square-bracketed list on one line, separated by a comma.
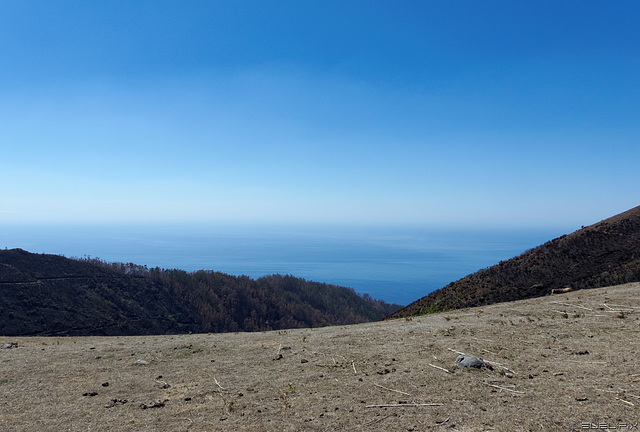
[(395, 265)]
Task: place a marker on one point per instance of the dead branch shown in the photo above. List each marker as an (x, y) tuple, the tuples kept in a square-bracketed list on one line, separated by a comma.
[(457, 352), (572, 305), (441, 368), (403, 405), (627, 402), (353, 365), (612, 310), (218, 384), (560, 290), (504, 388), (397, 391)]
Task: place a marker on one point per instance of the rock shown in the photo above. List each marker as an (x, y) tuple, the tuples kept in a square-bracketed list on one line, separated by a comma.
[(156, 404), (114, 402), (468, 361), (142, 362)]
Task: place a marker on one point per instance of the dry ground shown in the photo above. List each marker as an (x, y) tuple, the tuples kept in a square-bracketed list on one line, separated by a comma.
[(558, 360)]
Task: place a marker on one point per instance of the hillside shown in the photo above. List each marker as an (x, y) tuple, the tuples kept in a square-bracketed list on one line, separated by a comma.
[(560, 363), (606, 253), (44, 294)]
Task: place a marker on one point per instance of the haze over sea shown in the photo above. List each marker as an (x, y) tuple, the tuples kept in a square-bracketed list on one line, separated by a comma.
[(397, 265)]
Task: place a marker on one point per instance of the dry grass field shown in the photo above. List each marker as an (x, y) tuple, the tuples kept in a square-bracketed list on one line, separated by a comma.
[(561, 362)]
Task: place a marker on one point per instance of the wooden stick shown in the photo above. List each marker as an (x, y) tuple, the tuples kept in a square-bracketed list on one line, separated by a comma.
[(403, 405), (627, 402), (397, 391), (218, 384), (441, 368), (572, 305), (620, 306), (354, 367), (504, 388), (628, 310)]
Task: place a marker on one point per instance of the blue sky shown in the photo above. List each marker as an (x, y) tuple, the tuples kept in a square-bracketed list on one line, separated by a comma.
[(457, 113)]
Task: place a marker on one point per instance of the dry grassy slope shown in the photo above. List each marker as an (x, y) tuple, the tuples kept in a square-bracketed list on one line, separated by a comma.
[(566, 359), (605, 253)]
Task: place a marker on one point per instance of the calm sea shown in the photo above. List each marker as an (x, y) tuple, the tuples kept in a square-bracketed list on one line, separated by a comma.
[(395, 265)]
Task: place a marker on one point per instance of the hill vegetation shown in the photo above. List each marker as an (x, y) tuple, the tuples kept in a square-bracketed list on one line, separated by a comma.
[(603, 254), (43, 294)]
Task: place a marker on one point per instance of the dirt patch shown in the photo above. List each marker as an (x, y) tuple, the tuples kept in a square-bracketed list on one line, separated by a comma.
[(553, 363)]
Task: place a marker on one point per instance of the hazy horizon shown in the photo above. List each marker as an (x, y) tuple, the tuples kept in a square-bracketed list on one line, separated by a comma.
[(392, 264)]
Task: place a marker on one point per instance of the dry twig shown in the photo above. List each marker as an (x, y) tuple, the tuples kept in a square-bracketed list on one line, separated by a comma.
[(504, 388), (397, 391), (627, 402), (572, 305), (441, 368), (403, 405), (627, 309), (218, 384)]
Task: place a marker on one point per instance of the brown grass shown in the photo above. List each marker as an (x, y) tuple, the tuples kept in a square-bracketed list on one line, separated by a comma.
[(569, 358)]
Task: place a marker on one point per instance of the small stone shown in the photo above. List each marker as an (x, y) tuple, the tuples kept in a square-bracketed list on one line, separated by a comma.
[(468, 361), (304, 361), (142, 362), (105, 384), (156, 404), (114, 402)]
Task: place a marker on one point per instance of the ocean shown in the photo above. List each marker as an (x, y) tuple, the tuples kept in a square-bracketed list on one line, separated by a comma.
[(397, 265)]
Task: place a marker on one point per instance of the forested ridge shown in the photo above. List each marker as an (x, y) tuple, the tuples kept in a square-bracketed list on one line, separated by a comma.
[(42, 294), (606, 253)]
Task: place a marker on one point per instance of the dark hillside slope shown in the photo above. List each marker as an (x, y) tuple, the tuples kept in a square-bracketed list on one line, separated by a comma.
[(53, 295), (603, 254)]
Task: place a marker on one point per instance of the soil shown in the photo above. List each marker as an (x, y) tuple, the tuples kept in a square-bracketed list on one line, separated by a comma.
[(562, 362)]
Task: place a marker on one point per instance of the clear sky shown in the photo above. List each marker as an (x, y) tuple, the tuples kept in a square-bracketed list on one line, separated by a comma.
[(396, 112)]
